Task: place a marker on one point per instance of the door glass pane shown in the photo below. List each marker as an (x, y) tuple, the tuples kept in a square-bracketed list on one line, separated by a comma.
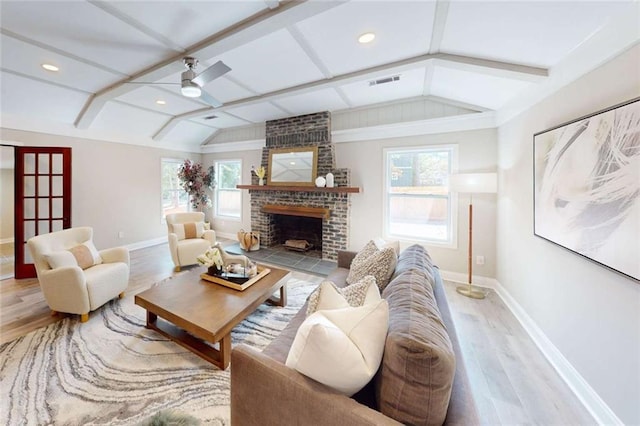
[(56, 189), (43, 185), (29, 229), (57, 225), (30, 164), (56, 207), (43, 207), (56, 167), (29, 186), (43, 164), (29, 208), (43, 227)]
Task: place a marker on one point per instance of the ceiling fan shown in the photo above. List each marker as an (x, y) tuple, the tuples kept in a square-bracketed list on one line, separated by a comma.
[(191, 84)]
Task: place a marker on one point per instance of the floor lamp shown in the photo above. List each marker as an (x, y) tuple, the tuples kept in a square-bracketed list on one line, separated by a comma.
[(472, 183)]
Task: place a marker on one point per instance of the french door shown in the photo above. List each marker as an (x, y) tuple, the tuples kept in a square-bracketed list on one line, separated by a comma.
[(42, 198)]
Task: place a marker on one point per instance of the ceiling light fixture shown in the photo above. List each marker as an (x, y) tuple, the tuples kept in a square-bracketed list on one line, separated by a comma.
[(50, 67), (161, 102), (190, 89), (366, 38)]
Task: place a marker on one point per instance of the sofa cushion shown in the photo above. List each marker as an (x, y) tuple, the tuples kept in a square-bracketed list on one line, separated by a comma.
[(328, 296), (414, 383), (188, 230), (372, 261), (414, 257), (341, 348)]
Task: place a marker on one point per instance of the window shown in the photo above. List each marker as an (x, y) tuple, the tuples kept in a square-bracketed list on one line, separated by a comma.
[(174, 198), (228, 199), (418, 205)]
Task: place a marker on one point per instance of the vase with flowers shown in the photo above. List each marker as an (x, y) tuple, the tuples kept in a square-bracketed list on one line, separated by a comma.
[(260, 172), (195, 181), (212, 259)]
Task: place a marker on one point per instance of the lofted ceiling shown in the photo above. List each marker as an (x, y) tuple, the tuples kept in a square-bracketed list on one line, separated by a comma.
[(286, 59)]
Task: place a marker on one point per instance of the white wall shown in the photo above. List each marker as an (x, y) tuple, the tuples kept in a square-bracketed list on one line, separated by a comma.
[(115, 187), (477, 152), (591, 314), (6, 200)]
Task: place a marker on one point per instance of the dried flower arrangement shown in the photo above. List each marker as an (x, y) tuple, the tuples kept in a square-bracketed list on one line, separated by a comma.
[(195, 180)]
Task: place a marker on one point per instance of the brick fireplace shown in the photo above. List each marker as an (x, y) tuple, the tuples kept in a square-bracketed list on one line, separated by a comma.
[(330, 206)]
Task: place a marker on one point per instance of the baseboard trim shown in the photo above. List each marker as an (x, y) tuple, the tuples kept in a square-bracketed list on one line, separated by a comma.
[(7, 240), (580, 387), (460, 278), (147, 243), (228, 235)]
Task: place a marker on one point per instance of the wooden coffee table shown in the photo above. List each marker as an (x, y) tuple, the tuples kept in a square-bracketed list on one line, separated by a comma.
[(196, 313)]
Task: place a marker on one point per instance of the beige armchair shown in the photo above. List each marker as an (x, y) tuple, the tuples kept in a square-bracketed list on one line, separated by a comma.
[(188, 237), (75, 277)]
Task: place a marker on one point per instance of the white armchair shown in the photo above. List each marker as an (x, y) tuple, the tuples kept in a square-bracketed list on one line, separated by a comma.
[(75, 277), (188, 237)]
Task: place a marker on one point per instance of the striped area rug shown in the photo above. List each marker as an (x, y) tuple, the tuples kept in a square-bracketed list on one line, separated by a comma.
[(113, 371)]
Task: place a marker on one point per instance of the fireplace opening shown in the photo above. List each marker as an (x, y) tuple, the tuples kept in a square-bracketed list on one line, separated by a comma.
[(297, 229)]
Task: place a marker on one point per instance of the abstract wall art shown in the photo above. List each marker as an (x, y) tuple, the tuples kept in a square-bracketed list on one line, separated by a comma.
[(587, 187)]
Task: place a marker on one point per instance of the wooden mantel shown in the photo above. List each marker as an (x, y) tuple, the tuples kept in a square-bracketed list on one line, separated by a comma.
[(317, 212), (350, 189)]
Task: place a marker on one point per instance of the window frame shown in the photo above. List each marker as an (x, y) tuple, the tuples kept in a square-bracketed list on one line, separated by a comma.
[(178, 161), (452, 241), (217, 189)]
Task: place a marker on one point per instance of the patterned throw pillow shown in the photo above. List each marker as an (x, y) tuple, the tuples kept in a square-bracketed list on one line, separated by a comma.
[(188, 230), (328, 296), (372, 261)]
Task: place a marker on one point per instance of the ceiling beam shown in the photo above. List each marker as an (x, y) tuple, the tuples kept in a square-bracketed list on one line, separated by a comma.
[(173, 122), (502, 69), (237, 35), (439, 22)]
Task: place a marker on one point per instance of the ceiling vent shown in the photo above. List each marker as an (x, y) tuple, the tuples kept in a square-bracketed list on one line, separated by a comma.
[(384, 80), (210, 117)]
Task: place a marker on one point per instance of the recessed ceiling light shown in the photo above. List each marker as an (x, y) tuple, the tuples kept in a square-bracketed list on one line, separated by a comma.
[(366, 38), (50, 67), (161, 102)]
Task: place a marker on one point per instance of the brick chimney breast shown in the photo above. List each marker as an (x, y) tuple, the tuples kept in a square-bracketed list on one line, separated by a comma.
[(304, 131)]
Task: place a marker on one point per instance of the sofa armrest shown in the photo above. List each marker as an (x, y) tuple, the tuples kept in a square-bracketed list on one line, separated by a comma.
[(345, 258), (115, 254), (266, 392)]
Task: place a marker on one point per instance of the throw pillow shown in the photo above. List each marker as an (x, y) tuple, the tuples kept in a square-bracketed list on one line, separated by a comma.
[(371, 261), (328, 296), (341, 348), (61, 259), (86, 255), (188, 230), (381, 243)]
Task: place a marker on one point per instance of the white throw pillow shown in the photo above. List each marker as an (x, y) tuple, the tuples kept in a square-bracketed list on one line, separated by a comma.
[(60, 259), (328, 296), (341, 348)]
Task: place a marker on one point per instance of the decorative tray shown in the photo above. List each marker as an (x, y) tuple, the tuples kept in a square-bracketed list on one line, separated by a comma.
[(236, 281)]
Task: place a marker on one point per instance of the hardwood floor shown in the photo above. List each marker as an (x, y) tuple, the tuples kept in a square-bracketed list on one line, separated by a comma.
[(512, 381)]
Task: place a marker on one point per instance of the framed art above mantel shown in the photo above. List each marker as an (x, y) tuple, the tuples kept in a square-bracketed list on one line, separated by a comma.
[(587, 187)]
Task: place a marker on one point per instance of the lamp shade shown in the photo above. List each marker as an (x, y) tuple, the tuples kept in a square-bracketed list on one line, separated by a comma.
[(474, 182)]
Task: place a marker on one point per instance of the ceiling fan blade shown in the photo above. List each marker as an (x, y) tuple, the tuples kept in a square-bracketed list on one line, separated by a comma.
[(148, 83), (210, 99), (214, 71)]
